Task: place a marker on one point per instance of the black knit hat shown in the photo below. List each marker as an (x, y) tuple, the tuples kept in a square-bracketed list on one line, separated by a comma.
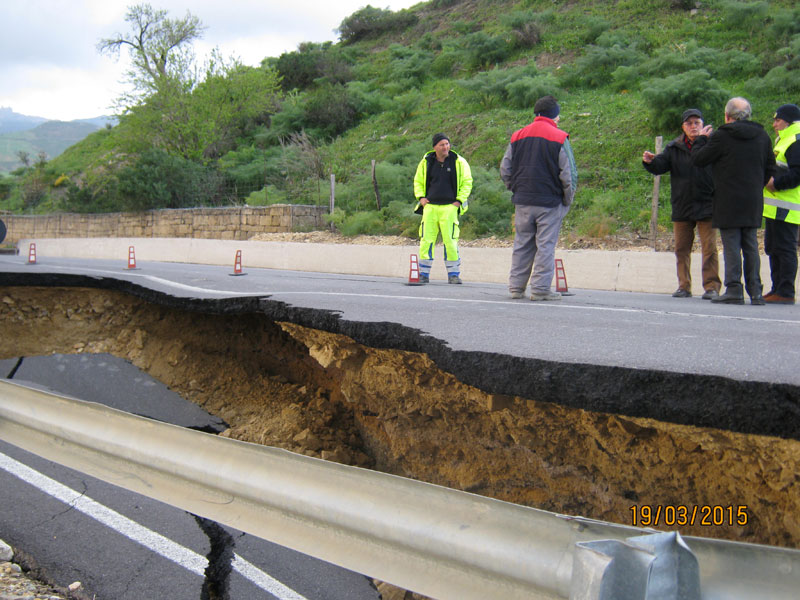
[(546, 106), (438, 137), (788, 112)]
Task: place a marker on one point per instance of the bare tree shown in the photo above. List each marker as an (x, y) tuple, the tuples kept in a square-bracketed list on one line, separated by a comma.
[(160, 47)]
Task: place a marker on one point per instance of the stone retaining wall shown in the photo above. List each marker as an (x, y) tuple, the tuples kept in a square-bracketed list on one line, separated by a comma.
[(234, 223)]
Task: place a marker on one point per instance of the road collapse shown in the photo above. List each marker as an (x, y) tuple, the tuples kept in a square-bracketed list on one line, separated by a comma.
[(277, 380)]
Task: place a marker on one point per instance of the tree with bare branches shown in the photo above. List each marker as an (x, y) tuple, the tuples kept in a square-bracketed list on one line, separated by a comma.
[(160, 47)]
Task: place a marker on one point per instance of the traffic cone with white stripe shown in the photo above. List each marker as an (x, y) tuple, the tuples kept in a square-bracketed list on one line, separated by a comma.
[(32, 254), (131, 258), (237, 264), (413, 273), (561, 279)]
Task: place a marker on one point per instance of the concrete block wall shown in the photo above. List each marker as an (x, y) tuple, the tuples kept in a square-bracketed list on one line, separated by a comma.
[(230, 223)]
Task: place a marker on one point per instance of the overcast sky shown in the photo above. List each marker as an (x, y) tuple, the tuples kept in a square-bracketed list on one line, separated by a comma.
[(49, 65)]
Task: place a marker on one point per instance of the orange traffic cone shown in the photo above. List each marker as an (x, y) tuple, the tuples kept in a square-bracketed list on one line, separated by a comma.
[(413, 273), (237, 264), (561, 279), (32, 254), (131, 258)]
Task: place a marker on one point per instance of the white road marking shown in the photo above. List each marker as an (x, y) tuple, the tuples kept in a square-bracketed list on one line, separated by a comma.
[(180, 555)]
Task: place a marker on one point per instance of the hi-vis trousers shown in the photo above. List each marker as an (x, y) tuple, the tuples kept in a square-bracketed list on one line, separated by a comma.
[(438, 218)]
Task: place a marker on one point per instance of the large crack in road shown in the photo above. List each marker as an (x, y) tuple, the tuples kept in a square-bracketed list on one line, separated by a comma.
[(380, 396)]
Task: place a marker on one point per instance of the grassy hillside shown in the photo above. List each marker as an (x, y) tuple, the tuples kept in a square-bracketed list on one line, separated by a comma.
[(623, 72)]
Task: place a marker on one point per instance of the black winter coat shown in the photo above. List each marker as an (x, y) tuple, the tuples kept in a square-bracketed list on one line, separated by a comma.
[(691, 187), (742, 161)]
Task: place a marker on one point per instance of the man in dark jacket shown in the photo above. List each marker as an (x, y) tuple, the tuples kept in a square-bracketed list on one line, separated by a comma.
[(742, 162), (691, 193), (539, 168)]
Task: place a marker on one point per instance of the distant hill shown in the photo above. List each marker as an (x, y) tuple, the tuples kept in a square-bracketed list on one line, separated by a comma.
[(11, 121), (35, 134)]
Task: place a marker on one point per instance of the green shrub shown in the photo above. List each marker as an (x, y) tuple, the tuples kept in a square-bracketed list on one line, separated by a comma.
[(527, 26), (366, 99), (160, 180), (370, 22), (785, 23), (408, 64), (525, 91), (595, 27), (596, 66), (744, 15), (406, 104), (670, 96), (447, 62), (483, 50), (686, 57), (510, 86)]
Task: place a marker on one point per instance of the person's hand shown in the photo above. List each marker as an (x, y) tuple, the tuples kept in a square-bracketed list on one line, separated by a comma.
[(457, 203), (423, 201), (771, 185), (707, 130), (648, 157)]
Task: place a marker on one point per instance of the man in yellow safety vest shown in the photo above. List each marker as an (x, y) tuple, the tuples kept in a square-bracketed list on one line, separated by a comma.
[(442, 185), (782, 206)]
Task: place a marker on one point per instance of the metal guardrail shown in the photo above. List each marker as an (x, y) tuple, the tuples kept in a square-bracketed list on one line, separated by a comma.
[(440, 542)]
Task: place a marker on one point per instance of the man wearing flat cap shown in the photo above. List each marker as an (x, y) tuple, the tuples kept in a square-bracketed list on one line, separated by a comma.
[(691, 195), (539, 169), (442, 186), (782, 206)]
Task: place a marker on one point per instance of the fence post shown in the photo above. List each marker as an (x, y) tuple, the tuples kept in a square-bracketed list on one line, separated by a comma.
[(375, 186), (656, 189), (333, 196)]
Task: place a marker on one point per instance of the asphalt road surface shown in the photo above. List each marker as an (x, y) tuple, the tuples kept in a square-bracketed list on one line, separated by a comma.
[(633, 330)]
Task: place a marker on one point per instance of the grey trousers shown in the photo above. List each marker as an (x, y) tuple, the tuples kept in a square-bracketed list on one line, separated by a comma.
[(535, 242), (740, 243)]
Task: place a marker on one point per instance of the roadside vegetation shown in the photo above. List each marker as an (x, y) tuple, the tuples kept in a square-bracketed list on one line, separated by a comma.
[(213, 132)]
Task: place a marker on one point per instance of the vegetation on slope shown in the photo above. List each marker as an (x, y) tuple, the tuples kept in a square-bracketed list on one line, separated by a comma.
[(623, 72)]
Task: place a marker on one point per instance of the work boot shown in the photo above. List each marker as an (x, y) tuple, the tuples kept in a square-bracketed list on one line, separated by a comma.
[(681, 293), (516, 294), (757, 300), (424, 278), (728, 298), (454, 279), (548, 295), (776, 299), (710, 294)]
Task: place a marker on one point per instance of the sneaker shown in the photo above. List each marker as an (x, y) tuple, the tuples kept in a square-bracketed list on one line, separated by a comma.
[(775, 299), (681, 293), (424, 278), (454, 279), (710, 294), (516, 295), (548, 295)]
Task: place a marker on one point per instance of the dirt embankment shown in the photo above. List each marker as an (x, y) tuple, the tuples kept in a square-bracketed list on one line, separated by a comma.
[(324, 395)]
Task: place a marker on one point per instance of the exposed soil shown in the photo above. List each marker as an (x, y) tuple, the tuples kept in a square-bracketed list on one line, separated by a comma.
[(321, 394)]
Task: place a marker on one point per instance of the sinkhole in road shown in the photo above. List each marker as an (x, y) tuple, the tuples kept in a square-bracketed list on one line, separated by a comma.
[(320, 393)]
